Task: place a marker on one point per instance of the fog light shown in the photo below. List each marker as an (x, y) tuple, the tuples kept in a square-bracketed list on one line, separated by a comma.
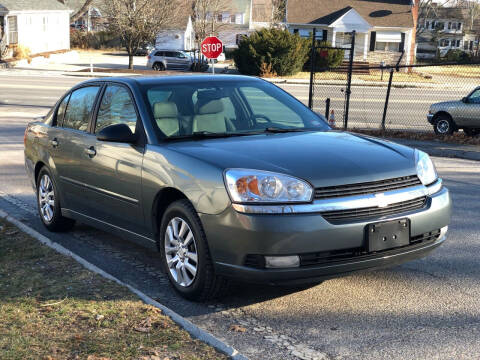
[(282, 261)]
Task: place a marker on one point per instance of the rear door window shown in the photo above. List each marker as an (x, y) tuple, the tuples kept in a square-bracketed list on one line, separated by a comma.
[(117, 107), (79, 108)]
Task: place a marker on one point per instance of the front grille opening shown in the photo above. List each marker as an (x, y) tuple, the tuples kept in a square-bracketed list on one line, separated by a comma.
[(328, 257), (339, 217), (367, 188)]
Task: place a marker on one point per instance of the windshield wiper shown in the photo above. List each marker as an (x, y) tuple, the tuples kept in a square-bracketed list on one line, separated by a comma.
[(204, 135), (284, 130)]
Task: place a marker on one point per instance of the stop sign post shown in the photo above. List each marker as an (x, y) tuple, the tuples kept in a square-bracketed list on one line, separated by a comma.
[(211, 47)]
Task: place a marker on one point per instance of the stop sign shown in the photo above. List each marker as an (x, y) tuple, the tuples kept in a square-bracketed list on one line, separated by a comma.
[(211, 47)]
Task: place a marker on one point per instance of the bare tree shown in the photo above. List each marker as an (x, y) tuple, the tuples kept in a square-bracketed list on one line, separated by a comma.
[(472, 9), (81, 11), (206, 17), (279, 8), (139, 21)]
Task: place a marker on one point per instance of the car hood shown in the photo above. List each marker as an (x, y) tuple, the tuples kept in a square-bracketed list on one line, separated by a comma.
[(322, 158), (446, 104)]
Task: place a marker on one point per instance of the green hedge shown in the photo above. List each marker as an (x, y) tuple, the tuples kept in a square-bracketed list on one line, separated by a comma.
[(278, 50)]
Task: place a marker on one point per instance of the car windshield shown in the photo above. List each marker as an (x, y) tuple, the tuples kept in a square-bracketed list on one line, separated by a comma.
[(227, 108)]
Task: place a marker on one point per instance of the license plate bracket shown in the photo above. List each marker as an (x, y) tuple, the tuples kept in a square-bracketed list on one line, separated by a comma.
[(387, 235)]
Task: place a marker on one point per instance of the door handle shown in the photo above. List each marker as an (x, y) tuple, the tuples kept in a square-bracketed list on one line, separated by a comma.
[(91, 151), (54, 142)]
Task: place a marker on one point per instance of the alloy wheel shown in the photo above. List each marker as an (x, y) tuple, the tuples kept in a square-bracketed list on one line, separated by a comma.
[(181, 252), (46, 198), (443, 126)]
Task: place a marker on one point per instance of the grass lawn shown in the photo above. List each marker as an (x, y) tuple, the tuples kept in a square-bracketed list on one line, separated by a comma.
[(53, 308), (461, 71), (374, 76)]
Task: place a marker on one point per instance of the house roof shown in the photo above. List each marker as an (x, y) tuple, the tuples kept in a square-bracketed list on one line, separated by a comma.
[(21, 5), (437, 12), (376, 12)]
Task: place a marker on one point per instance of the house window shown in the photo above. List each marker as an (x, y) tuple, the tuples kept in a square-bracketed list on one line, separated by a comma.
[(427, 24), (439, 25), (458, 43), (12, 30), (239, 19), (381, 46), (295, 31), (459, 26), (219, 17), (232, 19), (449, 26), (444, 42)]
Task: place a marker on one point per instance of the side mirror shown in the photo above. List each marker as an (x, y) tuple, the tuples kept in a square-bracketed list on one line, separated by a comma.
[(117, 133), (465, 100)]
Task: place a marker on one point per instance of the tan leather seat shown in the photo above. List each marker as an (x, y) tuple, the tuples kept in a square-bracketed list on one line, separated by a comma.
[(210, 117), (166, 116)]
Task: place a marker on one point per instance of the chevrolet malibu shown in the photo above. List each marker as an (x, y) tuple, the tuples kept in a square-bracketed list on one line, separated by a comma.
[(230, 177)]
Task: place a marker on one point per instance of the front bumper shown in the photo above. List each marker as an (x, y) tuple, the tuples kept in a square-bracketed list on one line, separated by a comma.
[(233, 235), (430, 118)]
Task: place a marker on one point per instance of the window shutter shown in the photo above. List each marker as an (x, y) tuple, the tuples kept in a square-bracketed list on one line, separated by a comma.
[(373, 38), (401, 47), (325, 35)]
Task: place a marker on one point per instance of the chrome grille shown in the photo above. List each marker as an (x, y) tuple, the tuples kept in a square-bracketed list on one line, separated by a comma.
[(338, 217), (367, 188)]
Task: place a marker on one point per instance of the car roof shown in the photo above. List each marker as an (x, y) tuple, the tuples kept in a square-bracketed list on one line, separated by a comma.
[(175, 79)]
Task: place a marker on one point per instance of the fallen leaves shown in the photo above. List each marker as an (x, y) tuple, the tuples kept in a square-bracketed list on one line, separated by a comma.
[(237, 328)]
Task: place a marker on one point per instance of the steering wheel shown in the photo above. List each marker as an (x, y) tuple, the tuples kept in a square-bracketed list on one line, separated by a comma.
[(261, 116)]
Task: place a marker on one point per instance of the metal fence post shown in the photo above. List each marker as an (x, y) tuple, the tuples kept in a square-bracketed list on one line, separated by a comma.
[(312, 69), (327, 108), (349, 81), (387, 99)]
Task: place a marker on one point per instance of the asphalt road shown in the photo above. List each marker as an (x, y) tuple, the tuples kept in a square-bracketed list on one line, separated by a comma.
[(425, 309)]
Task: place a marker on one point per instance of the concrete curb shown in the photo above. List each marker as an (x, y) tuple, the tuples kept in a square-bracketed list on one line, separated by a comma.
[(191, 328)]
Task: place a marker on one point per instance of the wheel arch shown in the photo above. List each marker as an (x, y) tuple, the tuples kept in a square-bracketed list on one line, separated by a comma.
[(443, 113), (161, 202), (38, 166)]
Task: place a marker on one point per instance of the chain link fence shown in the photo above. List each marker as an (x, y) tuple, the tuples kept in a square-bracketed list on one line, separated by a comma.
[(400, 98), (354, 95)]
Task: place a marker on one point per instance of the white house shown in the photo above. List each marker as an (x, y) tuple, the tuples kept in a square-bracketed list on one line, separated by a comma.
[(178, 36), (40, 25), (384, 28)]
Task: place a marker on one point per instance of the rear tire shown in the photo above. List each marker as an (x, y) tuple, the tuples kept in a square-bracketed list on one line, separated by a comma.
[(48, 203), (444, 125), (471, 132), (158, 66), (182, 251)]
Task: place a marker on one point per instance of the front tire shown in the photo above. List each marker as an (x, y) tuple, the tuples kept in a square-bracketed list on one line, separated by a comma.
[(158, 66), (444, 125), (49, 204), (185, 255)]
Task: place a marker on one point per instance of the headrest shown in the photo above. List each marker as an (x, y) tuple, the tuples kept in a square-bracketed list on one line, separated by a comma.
[(211, 107), (165, 109)]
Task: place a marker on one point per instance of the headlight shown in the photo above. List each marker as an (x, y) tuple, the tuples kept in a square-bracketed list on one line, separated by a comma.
[(246, 186), (425, 169)]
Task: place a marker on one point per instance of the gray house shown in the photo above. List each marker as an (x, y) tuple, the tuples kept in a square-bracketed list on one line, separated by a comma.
[(40, 25), (384, 28)]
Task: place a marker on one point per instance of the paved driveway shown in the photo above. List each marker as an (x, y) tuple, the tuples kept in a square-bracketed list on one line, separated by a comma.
[(424, 309)]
